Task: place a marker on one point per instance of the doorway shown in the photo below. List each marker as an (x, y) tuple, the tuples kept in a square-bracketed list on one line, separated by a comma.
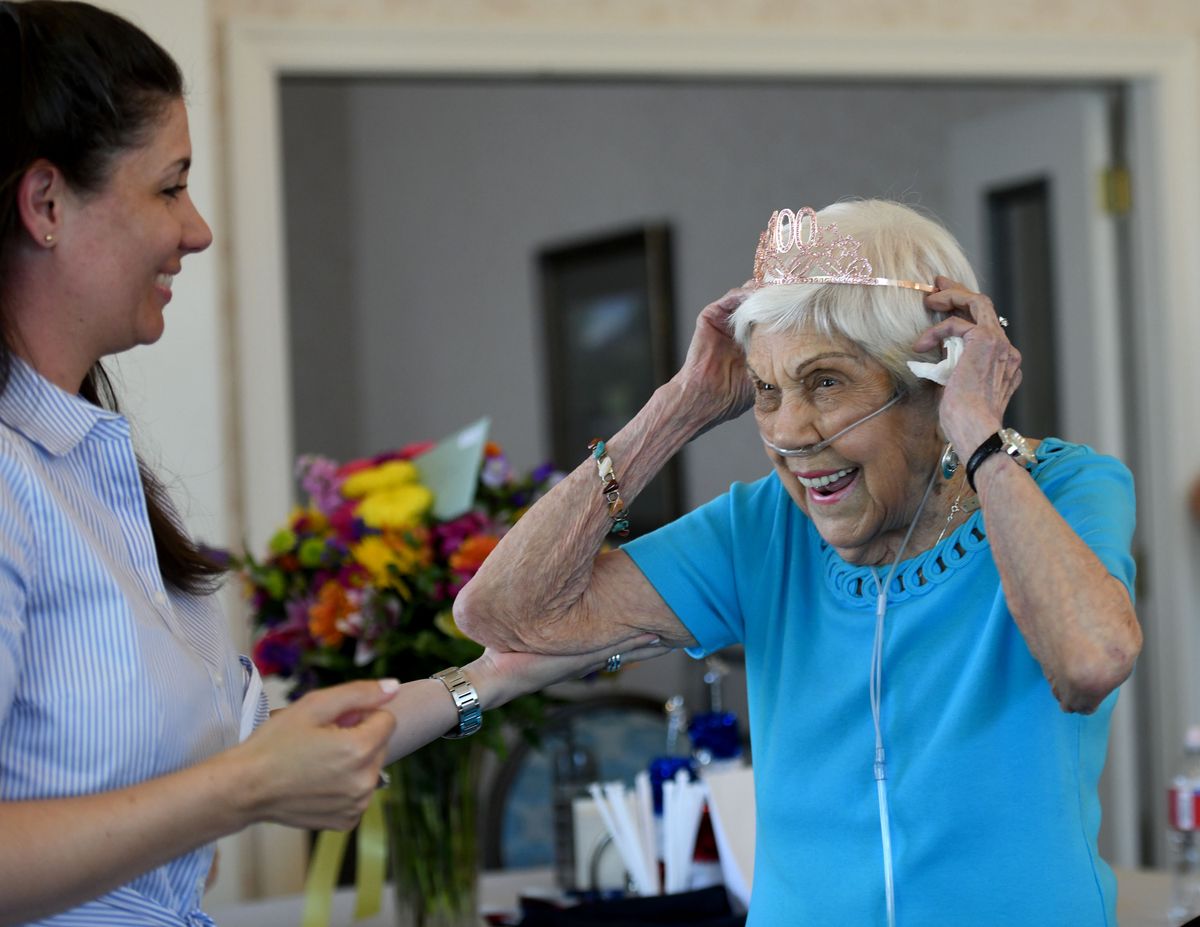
[(1159, 73), (416, 208)]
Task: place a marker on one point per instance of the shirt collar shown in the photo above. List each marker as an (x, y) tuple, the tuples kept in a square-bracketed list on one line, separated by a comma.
[(45, 414)]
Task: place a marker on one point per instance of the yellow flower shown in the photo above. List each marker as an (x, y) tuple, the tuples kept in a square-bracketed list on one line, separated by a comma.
[(377, 556), (309, 519), (412, 546), (444, 622), (385, 476), (401, 505)]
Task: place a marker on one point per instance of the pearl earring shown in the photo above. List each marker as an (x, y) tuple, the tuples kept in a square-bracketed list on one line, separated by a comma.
[(48, 238)]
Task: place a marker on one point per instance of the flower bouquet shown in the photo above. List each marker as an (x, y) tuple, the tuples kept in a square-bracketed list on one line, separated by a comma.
[(359, 583)]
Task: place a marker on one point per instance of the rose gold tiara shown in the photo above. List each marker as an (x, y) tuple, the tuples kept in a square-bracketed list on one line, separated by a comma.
[(787, 255)]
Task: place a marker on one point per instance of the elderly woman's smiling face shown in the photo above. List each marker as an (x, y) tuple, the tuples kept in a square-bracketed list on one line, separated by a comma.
[(862, 491)]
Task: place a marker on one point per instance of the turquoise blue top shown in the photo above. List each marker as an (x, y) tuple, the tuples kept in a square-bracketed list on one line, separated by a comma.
[(992, 787)]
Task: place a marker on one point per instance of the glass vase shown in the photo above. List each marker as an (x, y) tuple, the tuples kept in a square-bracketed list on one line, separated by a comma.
[(432, 821)]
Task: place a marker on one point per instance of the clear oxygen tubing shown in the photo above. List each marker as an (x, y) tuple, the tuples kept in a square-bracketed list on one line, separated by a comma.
[(812, 449), (876, 689)]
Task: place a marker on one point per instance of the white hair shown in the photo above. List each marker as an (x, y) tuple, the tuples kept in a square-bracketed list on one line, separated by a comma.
[(883, 321)]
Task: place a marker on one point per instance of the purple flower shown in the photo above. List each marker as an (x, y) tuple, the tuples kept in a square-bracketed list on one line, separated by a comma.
[(218, 555), (277, 654), (319, 478), (496, 472), (297, 614), (542, 473)]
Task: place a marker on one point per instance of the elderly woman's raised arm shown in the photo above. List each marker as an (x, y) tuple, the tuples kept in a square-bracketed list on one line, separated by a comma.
[(546, 588), (1076, 617)]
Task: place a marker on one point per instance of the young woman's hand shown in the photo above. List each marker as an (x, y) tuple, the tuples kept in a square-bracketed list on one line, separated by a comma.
[(316, 763)]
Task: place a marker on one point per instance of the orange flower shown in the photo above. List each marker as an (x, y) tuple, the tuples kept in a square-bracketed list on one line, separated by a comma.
[(473, 551), (331, 607)]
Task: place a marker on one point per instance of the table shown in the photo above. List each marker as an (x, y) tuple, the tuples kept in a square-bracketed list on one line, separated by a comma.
[(1141, 901), (1142, 898), (498, 890)]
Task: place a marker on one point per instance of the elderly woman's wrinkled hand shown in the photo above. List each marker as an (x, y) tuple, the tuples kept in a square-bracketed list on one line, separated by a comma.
[(713, 376), (505, 674), (988, 372)]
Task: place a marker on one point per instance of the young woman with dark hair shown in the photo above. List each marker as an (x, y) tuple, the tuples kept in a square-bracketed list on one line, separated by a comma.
[(132, 735)]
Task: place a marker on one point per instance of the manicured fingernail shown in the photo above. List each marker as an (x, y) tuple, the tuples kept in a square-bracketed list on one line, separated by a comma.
[(389, 685)]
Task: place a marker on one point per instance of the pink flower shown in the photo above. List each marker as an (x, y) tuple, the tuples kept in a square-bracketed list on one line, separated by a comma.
[(449, 536), (345, 524)]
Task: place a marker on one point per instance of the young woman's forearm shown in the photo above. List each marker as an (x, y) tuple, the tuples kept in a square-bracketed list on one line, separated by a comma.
[(424, 711), (314, 765), (59, 853)]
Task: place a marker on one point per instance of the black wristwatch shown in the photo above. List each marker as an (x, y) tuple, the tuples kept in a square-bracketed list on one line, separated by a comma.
[(1009, 440)]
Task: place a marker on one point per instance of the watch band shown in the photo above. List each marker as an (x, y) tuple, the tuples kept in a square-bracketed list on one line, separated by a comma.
[(1009, 440), (993, 443), (466, 700)]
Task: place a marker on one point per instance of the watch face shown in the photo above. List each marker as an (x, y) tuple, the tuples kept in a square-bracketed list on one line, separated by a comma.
[(1017, 447)]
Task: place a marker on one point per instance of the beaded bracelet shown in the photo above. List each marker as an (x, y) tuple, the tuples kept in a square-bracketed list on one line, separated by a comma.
[(610, 488)]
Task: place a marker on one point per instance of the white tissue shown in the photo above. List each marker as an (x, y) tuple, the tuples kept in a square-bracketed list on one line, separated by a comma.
[(940, 372)]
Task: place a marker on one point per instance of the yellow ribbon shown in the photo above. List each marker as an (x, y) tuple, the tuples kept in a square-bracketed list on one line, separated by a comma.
[(372, 859), (326, 863), (322, 877)]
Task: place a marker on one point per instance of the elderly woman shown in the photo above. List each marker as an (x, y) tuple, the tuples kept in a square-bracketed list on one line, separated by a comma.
[(935, 611)]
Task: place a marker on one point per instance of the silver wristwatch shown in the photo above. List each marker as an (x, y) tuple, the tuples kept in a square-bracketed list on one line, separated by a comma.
[(466, 700), (1017, 446)]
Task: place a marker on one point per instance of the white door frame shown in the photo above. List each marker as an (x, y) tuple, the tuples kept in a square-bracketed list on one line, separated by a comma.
[(1161, 71)]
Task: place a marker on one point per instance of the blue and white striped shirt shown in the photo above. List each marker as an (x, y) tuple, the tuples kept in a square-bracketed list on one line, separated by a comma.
[(107, 677)]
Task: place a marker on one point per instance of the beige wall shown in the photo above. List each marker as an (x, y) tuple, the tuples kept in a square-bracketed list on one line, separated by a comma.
[(908, 17)]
